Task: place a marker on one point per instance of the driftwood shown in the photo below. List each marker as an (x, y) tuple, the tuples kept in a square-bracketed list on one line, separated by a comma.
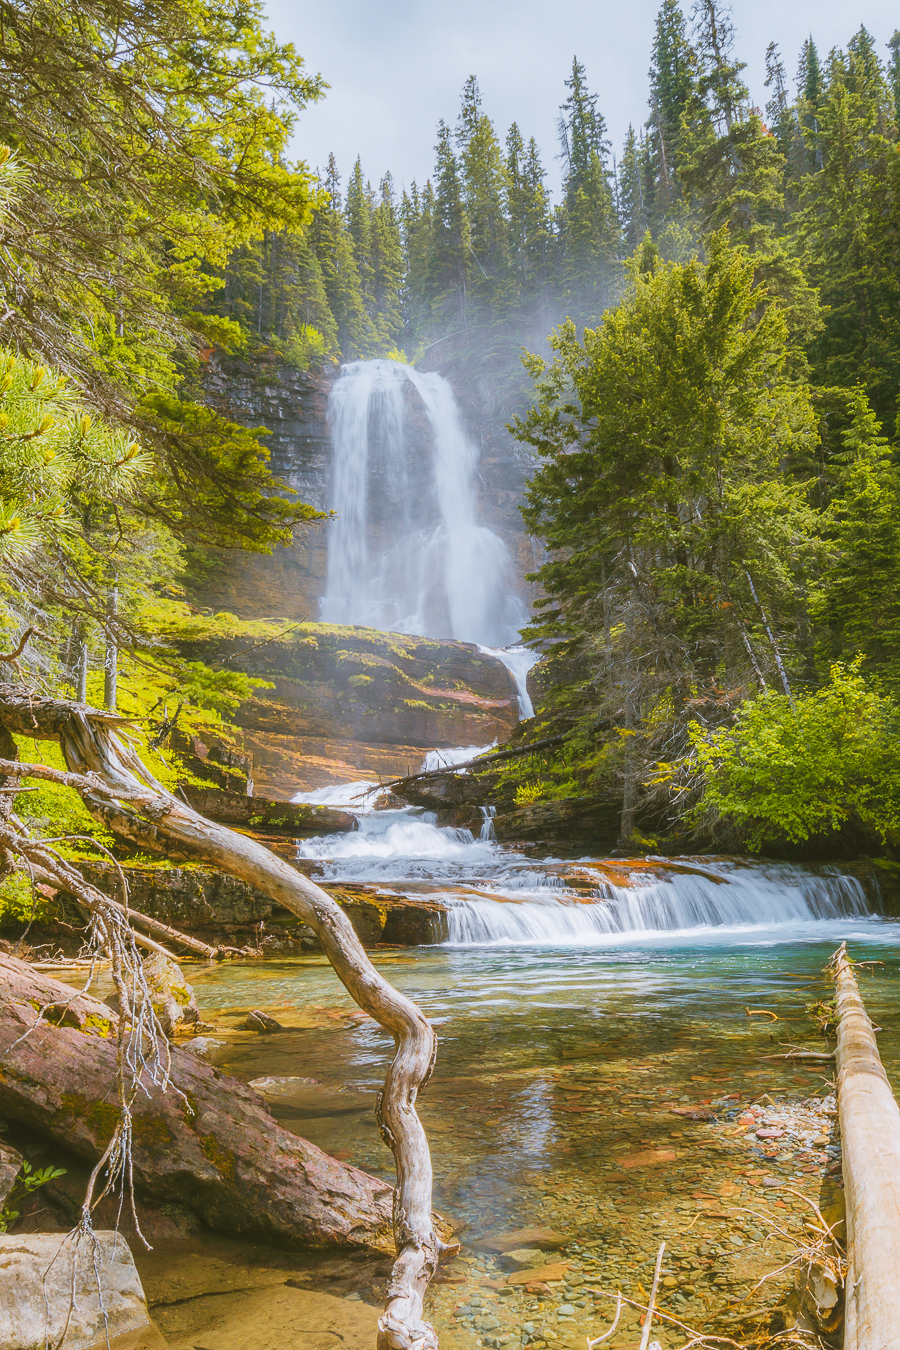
[(870, 1138), (133, 804), (209, 1142)]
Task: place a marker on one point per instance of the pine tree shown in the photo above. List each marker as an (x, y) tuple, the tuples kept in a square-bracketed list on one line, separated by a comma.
[(857, 606), (417, 221), (809, 97), (894, 72), (451, 258), (530, 221), (388, 266), (358, 214), (484, 189), (334, 249), (671, 84), (850, 228), (589, 231), (633, 216), (778, 109)]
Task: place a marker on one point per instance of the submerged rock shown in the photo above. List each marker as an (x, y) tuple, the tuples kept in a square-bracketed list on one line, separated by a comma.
[(51, 1294)]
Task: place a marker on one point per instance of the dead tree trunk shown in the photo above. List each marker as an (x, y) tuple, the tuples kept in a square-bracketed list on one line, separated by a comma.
[(870, 1138), (209, 1142), (93, 743)]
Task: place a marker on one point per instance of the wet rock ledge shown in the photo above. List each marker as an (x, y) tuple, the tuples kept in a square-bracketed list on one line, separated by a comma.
[(223, 911)]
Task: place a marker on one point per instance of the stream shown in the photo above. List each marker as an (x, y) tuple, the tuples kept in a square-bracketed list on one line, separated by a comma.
[(583, 1008)]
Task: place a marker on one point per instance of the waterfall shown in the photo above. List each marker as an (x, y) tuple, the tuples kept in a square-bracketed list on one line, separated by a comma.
[(406, 553)]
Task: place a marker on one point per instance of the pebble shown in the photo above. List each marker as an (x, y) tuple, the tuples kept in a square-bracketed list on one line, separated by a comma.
[(566, 1310)]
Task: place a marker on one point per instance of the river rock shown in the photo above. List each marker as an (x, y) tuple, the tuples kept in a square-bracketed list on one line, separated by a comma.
[(546, 1239), (522, 1258), (210, 1144), (172, 997), (357, 687), (10, 1167), (260, 1021), (50, 1291)]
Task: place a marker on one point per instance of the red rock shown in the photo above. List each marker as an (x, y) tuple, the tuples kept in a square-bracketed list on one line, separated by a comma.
[(208, 1143)]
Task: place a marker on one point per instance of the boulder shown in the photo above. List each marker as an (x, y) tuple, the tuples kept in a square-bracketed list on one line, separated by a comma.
[(10, 1167), (66, 1293), (172, 997), (208, 1143)]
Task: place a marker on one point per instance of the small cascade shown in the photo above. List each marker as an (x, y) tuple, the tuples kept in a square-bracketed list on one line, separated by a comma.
[(731, 899), (406, 552), (487, 835), (518, 661)]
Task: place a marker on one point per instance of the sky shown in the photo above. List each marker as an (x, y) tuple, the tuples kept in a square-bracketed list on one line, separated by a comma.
[(396, 67)]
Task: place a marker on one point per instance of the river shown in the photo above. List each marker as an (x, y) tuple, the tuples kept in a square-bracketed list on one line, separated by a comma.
[(581, 1005)]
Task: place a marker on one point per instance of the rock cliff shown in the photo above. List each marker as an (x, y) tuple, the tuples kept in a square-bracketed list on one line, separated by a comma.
[(349, 703)]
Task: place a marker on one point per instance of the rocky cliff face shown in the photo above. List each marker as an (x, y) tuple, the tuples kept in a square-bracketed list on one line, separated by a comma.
[(293, 406), (350, 703)]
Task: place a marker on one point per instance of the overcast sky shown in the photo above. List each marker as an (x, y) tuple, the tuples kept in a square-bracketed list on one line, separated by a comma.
[(396, 67)]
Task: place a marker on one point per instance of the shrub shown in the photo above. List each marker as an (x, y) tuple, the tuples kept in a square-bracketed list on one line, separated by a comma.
[(789, 771)]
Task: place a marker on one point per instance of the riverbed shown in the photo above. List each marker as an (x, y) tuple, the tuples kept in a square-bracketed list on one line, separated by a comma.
[(558, 1106)]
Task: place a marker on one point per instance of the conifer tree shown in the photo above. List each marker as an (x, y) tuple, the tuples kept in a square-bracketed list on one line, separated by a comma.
[(417, 217), (850, 228), (358, 213), (894, 72), (530, 218), (451, 261), (632, 176), (334, 249), (388, 266), (671, 84), (589, 231), (484, 186), (857, 604), (778, 109)]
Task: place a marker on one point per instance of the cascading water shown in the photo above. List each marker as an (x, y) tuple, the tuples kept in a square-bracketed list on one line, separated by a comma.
[(494, 895), (406, 552)]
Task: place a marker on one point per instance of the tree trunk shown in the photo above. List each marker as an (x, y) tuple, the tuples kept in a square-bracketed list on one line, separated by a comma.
[(208, 1142), (870, 1138), (153, 818)]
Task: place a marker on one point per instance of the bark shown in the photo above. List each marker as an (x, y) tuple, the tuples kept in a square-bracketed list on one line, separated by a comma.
[(870, 1138), (155, 819), (208, 1142)]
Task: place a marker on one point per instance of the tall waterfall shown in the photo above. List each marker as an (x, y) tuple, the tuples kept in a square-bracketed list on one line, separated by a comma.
[(406, 552)]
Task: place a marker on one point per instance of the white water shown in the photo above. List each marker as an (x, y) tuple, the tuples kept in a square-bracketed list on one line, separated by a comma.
[(497, 896), (406, 553), (518, 661)]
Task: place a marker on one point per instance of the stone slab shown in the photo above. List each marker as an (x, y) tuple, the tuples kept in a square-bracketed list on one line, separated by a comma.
[(39, 1272)]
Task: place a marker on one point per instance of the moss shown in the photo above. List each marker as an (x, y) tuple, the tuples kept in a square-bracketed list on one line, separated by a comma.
[(221, 1158), (359, 680), (96, 1025)]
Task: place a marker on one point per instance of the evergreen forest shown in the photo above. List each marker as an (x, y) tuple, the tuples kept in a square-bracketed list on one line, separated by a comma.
[(698, 343)]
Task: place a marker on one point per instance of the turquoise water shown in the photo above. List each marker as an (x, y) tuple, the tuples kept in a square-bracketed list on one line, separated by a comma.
[(552, 1101)]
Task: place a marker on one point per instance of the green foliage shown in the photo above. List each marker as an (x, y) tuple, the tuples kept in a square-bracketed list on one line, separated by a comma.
[(219, 691), (856, 604), (56, 461), (529, 793), (794, 771), (660, 492), (156, 139), (27, 1181)]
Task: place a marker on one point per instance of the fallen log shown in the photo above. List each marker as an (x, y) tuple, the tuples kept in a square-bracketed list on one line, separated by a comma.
[(208, 1142), (479, 762), (120, 791), (870, 1139)]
